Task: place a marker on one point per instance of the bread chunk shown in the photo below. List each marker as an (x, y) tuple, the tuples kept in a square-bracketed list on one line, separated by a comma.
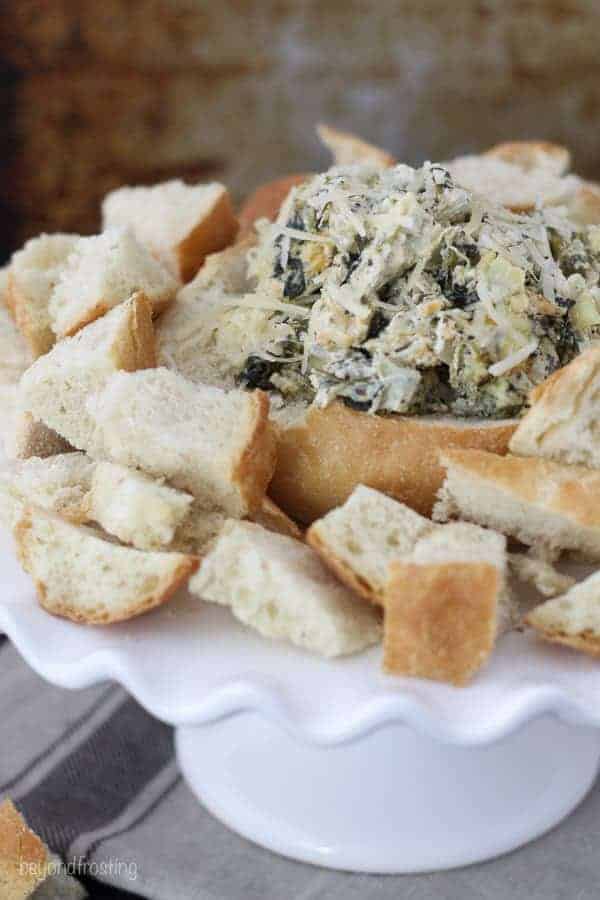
[(540, 503), (180, 223), (359, 539), (447, 604), (573, 618), (100, 273), (563, 421), (219, 446), (33, 274), (83, 577), (349, 150), (279, 586), (57, 388), (136, 508)]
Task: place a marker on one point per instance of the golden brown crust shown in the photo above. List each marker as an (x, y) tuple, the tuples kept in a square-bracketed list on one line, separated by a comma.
[(322, 460), (528, 155), (142, 334), (24, 860), (90, 315), (136, 347), (344, 571), (215, 232), (348, 149), (586, 642), (167, 585), (571, 491), (39, 340), (266, 201), (254, 468), (271, 517), (101, 308), (440, 620)]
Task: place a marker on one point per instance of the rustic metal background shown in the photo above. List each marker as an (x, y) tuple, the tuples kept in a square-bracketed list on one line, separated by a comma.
[(97, 93)]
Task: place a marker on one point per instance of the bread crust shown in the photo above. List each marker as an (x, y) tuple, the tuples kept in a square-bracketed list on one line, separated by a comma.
[(585, 642), (344, 571), (274, 519), (440, 620), (529, 155), (162, 592), (24, 860), (321, 460), (254, 468), (266, 201), (215, 232), (348, 149), (574, 489)]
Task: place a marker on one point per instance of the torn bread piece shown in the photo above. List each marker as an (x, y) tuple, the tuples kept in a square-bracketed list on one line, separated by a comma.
[(59, 484), (541, 503), (56, 388), (440, 620), (358, 540), (81, 576), (217, 445), (136, 508), (30, 437), (563, 421), (447, 605), (348, 150), (271, 517), (573, 618), (151, 515), (279, 586), (192, 334), (15, 357), (524, 174), (101, 272), (179, 223), (531, 156), (24, 859), (33, 274), (539, 573), (266, 201)]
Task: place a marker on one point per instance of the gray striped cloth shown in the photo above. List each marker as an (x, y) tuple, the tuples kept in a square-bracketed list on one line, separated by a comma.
[(95, 776)]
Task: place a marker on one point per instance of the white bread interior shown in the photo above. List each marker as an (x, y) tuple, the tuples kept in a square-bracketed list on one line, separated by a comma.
[(278, 586), (359, 539), (219, 446), (101, 272), (136, 508), (58, 484), (572, 619), (33, 274), (563, 420), (179, 223), (58, 386), (81, 576), (541, 503)]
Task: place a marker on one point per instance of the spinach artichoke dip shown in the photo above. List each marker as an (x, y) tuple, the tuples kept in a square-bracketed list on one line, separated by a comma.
[(397, 291)]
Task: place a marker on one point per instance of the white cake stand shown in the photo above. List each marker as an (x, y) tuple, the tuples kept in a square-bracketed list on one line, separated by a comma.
[(334, 763)]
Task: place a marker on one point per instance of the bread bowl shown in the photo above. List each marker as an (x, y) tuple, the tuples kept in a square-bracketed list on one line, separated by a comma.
[(322, 458), (398, 314)]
